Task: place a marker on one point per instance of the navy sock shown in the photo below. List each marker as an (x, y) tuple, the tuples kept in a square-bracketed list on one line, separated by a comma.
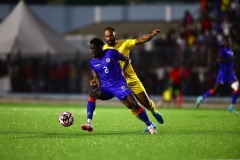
[(91, 105), (208, 93), (234, 97), (143, 115)]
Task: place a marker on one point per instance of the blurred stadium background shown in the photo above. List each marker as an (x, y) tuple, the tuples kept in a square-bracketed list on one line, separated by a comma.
[(44, 44)]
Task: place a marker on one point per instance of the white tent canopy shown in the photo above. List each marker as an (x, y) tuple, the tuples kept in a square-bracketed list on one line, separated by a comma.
[(23, 32)]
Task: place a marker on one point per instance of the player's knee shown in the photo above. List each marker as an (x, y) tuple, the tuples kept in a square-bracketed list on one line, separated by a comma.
[(92, 94), (147, 104), (95, 93), (135, 106), (235, 85)]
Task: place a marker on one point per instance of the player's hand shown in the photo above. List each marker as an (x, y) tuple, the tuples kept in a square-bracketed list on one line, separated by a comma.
[(93, 82), (156, 31), (125, 75)]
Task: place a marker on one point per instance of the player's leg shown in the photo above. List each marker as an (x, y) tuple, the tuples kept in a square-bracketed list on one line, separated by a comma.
[(220, 78), (136, 115), (179, 95), (179, 99), (131, 101), (142, 97), (132, 87), (235, 88), (98, 93), (124, 94), (208, 93), (174, 93)]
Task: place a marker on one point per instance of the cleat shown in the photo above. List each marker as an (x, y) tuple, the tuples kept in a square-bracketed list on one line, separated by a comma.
[(152, 130), (147, 130), (87, 127), (232, 110), (159, 117), (199, 101)]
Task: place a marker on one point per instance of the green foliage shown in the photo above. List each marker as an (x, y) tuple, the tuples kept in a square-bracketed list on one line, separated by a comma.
[(32, 131)]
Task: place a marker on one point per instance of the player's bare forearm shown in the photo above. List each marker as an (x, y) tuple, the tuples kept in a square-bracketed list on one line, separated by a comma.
[(147, 37), (127, 62), (95, 80)]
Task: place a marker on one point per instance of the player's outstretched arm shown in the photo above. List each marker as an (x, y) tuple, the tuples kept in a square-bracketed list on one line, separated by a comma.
[(147, 37)]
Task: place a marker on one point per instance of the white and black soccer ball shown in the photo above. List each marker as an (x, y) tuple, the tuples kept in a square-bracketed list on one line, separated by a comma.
[(66, 119)]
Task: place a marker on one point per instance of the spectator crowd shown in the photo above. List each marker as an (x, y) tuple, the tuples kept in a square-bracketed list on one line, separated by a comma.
[(193, 46)]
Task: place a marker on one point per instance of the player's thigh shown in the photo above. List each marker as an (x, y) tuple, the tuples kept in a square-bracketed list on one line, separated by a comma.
[(136, 87), (131, 102), (143, 98), (120, 90), (221, 78), (140, 93), (102, 93)]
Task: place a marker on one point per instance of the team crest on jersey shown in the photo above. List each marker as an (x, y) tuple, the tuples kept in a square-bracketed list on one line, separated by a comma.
[(123, 88), (108, 60)]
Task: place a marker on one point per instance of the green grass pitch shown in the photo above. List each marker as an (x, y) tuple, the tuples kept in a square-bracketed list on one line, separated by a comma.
[(32, 132)]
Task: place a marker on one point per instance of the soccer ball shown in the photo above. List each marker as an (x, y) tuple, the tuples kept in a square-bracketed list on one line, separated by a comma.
[(66, 119)]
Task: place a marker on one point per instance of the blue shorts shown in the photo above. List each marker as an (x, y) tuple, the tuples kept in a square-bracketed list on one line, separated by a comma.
[(119, 90), (225, 77)]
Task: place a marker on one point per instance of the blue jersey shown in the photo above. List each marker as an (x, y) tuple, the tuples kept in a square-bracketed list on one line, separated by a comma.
[(226, 70), (108, 68), (228, 65)]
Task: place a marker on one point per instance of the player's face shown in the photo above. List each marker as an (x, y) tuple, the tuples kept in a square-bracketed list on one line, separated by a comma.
[(110, 37), (96, 50)]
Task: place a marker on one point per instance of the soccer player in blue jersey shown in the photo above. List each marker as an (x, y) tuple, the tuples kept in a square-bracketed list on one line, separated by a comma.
[(112, 83), (225, 75)]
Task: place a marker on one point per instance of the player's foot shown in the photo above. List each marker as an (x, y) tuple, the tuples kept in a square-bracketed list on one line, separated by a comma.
[(152, 130), (199, 101), (232, 110), (147, 130), (159, 117), (87, 127)]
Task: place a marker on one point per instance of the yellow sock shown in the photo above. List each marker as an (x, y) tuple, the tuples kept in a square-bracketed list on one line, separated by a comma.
[(152, 108)]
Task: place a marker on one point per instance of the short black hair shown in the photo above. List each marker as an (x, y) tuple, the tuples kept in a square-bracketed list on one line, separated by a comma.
[(110, 28), (97, 41)]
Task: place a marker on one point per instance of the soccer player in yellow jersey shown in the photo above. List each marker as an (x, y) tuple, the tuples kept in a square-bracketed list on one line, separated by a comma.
[(124, 47)]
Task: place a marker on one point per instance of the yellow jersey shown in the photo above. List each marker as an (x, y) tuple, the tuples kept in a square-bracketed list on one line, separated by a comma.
[(124, 47)]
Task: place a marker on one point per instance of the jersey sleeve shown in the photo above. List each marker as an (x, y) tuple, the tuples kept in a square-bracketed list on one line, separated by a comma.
[(130, 43)]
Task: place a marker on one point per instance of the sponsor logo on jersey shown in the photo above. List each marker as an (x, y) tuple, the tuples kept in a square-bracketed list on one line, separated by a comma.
[(96, 65)]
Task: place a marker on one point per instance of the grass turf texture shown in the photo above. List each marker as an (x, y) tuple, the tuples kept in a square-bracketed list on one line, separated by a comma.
[(32, 131)]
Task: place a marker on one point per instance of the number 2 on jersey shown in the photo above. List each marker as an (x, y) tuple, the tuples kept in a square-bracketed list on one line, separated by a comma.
[(106, 69)]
